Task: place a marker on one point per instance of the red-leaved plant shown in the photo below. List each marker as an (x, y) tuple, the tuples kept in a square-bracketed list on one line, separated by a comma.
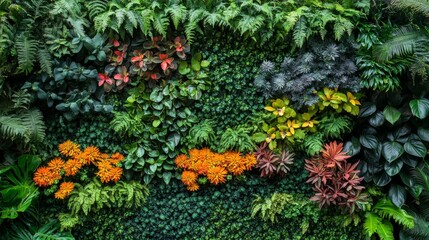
[(270, 163), (334, 180), (151, 60)]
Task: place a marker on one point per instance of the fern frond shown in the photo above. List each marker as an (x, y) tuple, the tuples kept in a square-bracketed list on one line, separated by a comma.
[(33, 120), (21, 99), (101, 21), (301, 31), (27, 51), (78, 26), (334, 126), (421, 6), (386, 209), (96, 7), (146, 17), (313, 144), (178, 13), (214, 19), (160, 24), (12, 127), (341, 26), (202, 134), (405, 41), (250, 24), (45, 61)]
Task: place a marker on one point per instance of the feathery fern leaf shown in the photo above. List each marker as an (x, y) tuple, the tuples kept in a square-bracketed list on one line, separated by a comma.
[(45, 61), (334, 126), (27, 51), (405, 41), (33, 119), (95, 7), (178, 13), (160, 23), (421, 6), (386, 209), (12, 127)]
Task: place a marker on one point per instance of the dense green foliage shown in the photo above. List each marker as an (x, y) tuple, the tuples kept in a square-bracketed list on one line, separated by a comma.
[(202, 91), (171, 212)]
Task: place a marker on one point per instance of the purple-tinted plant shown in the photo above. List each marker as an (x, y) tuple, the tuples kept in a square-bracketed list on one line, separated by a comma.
[(271, 163), (334, 180)]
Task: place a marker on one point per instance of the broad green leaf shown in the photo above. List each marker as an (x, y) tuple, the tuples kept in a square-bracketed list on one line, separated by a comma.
[(377, 119), (367, 110), (382, 179), (259, 137), (352, 147), (156, 123), (369, 141), (391, 114), (183, 68), (205, 63), (415, 148), (167, 177), (397, 194), (392, 151), (394, 167), (423, 134), (420, 107)]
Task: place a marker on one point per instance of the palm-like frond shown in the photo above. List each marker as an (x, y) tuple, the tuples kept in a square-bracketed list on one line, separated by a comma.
[(421, 6), (11, 127), (33, 120), (406, 40), (27, 51)]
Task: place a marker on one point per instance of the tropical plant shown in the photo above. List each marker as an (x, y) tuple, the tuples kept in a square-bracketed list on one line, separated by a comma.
[(288, 127), (286, 206), (325, 65), (236, 139), (270, 163), (215, 167), (392, 140), (107, 168), (334, 180), (419, 208), (378, 219), (201, 135), (17, 190), (94, 196), (255, 20), (49, 230)]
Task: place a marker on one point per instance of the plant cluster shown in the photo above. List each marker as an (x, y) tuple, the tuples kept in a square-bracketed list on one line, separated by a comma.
[(216, 213), (107, 167), (286, 206), (325, 65), (286, 126), (150, 60), (214, 167), (334, 180), (270, 163), (254, 20), (393, 138), (157, 118)]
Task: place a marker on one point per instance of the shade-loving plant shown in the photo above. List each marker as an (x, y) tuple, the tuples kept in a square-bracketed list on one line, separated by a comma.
[(335, 181), (391, 139), (271, 163)]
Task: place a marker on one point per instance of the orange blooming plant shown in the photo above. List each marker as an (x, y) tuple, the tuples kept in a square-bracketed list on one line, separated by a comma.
[(74, 159), (214, 166)]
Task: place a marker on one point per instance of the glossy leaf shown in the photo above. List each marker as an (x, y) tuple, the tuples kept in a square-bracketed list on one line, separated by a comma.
[(420, 107), (392, 151), (391, 114), (397, 194), (415, 148)]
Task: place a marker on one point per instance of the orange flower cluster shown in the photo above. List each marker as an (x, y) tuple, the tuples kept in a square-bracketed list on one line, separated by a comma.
[(65, 189), (108, 169), (213, 165)]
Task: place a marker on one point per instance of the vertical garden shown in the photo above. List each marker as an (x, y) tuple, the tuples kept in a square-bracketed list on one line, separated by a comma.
[(214, 119)]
